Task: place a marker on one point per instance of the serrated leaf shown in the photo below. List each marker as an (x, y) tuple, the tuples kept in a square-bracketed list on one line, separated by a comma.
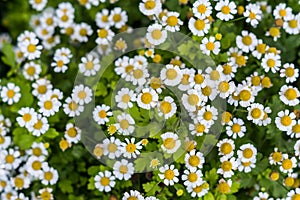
[(51, 133), (65, 185), (22, 138), (151, 188)]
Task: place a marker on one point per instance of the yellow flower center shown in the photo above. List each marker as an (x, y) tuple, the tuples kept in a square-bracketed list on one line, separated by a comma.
[(9, 159), (169, 174), (82, 94), (98, 151), (256, 113), (165, 107), (42, 89), (236, 128), (226, 148), (73, 106), (185, 79), (112, 129), (48, 105), (83, 32), (240, 60), (27, 117), (72, 132), (296, 197), (289, 72), (10, 93), (172, 21), (282, 13), (37, 151), (111, 147), (169, 143), (2, 139), (201, 8), (287, 164), (223, 188), (245, 95), (38, 125), (124, 124), (193, 99), (30, 71), (266, 82), (223, 86), (226, 165), (271, 63), (146, 97), (290, 94), (83, 2), (89, 65), (150, 4), (46, 195), (199, 24), (104, 18), (192, 177), (289, 181), (208, 115), (214, 75), (19, 182), (132, 198), (252, 15), (227, 69), (102, 114), (247, 40), (104, 181), (286, 120), (226, 117), (255, 80), (36, 165), (248, 153), (225, 10), (293, 23), (206, 91), (198, 78), (198, 189), (274, 31), (48, 176), (123, 169), (296, 128), (130, 148), (102, 33), (199, 128), (171, 74), (210, 46), (138, 73), (194, 161), (31, 48), (156, 34)]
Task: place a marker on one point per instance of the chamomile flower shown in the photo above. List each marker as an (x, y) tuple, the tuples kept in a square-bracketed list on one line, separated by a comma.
[(170, 142), (5, 141), (112, 147), (246, 166), (226, 10), (82, 94), (295, 131), (38, 4), (125, 124), (292, 24), (207, 114), (245, 95), (150, 7), (253, 14), (81, 32), (101, 114), (227, 70), (46, 193), (32, 71), (210, 45), (246, 42), (171, 21), (199, 27), (72, 133), (289, 72), (202, 9), (34, 165), (89, 65), (271, 62), (167, 107), (11, 93), (275, 157), (125, 97), (20, 182), (41, 87), (289, 95), (147, 98), (194, 159), (123, 170), (236, 128), (197, 81), (37, 149), (133, 194), (255, 112), (105, 36), (288, 164), (72, 108), (192, 177), (105, 181), (227, 167), (247, 152), (40, 127), (192, 100), (171, 75), (31, 49), (274, 32), (281, 11), (10, 159), (49, 106), (168, 174), (102, 20), (226, 148), (225, 88), (28, 117), (60, 64), (139, 75), (49, 175), (293, 194), (118, 17), (200, 190), (266, 120), (156, 35), (198, 128), (285, 120), (130, 149)]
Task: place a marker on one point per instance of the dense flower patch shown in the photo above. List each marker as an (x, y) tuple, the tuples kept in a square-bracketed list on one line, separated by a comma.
[(200, 103)]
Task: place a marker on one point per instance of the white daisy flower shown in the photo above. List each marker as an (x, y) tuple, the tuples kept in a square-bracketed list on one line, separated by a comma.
[(20, 182), (285, 120), (66, 52), (102, 19), (105, 36), (274, 32), (253, 14), (171, 75), (37, 149), (293, 194), (198, 128), (60, 64), (200, 190), (101, 114), (207, 114), (246, 166), (226, 148), (289, 72), (245, 95), (170, 142), (192, 177), (199, 27), (292, 24), (167, 107), (112, 147), (11, 93), (197, 81), (82, 94), (295, 131), (34, 165), (72, 133), (31, 49), (226, 10), (125, 97), (246, 42), (32, 71), (227, 167), (271, 62), (150, 7), (266, 119), (89, 65), (168, 174), (210, 45), (225, 88), (255, 112), (49, 175), (125, 124), (193, 100), (236, 128), (289, 95), (202, 9), (147, 98), (281, 11), (275, 157), (81, 32), (139, 75), (48, 106), (38, 4), (28, 117), (247, 152), (133, 194), (123, 169), (288, 164), (71, 108), (227, 70), (260, 49), (171, 21), (130, 149), (5, 141), (10, 159), (156, 35), (40, 127), (41, 87), (104, 181), (184, 83), (118, 17), (194, 159)]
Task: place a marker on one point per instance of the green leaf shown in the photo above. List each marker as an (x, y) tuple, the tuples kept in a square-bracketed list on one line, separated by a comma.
[(101, 89), (234, 187), (66, 186), (91, 185), (9, 57), (209, 196), (151, 188), (22, 138), (51, 133), (211, 176)]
